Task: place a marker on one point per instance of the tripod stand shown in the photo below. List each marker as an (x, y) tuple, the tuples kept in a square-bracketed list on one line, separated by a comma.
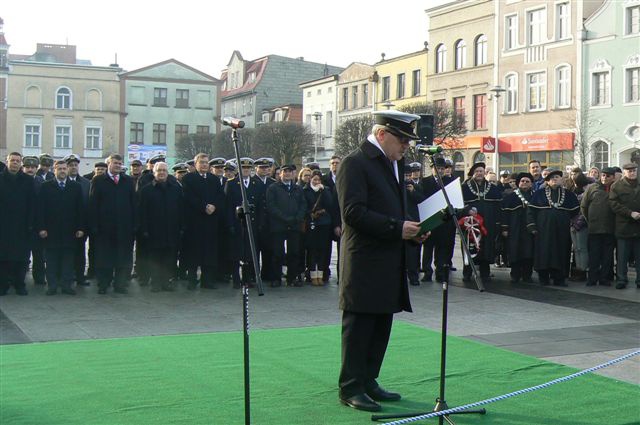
[(244, 213), (441, 403)]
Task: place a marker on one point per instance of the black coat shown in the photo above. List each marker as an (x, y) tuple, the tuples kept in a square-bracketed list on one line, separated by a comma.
[(112, 220), (287, 208), (85, 186), (325, 203), (18, 204), (238, 247), (514, 220), (161, 211), (488, 206), (372, 252), (263, 217), (61, 213), (202, 230)]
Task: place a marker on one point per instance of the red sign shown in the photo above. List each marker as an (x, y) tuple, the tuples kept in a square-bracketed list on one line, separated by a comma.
[(488, 145), (537, 142)]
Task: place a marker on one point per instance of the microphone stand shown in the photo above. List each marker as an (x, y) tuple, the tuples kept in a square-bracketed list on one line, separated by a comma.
[(244, 213), (441, 403)]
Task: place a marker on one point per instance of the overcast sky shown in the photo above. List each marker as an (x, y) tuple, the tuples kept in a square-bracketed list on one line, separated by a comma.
[(204, 34)]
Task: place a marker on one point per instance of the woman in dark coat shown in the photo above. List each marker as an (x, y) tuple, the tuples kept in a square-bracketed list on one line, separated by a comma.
[(319, 225)]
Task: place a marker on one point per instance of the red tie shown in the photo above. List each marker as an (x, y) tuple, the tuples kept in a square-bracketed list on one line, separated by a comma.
[(116, 178)]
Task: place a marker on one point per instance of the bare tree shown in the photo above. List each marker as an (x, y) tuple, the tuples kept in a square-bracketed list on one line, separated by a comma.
[(286, 142), (223, 145), (189, 146), (449, 126), (351, 133), (587, 127)]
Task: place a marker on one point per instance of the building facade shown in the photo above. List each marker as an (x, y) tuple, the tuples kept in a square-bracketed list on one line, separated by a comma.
[(319, 110), (401, 80), (163, 103), (461, 74), (611, 74), (355, 91)]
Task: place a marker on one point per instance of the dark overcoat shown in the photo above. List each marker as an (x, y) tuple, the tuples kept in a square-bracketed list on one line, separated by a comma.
[(238, 244), (514, 220), (202, 230), (112, 221), (161, 214), (487, 201), (263, 217), (287, 208), (17, 208), (61, 213), (624, 198), (372, 252)]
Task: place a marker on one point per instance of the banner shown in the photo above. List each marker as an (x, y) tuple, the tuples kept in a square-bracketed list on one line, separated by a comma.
[(144, 152)]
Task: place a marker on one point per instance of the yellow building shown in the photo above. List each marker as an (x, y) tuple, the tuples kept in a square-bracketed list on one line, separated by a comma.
[(401, 80)]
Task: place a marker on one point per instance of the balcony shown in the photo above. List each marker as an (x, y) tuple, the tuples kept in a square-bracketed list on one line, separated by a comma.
[(535, 53)]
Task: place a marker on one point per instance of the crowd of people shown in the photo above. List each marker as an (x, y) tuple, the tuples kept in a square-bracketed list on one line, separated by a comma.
[(161, 225)]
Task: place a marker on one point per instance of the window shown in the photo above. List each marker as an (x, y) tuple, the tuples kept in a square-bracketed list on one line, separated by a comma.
[(329, 123), (93, 138), (563, 21), (136, 134), (479, 111), (159, 134), (63, 98), (31, 136), (415, 76), (461, 54), (536, 26), (159, 97), (537, 91), (182, 98), (600, 154), (401, 83), (481, 50), (458, 106), (354, 97), (63, 137), (632, 20), (511, 94), (600, 94), (319, 92), (202, 129), (510, 32), (479, 157), (252, 76), (563, 87), (386, 88), (441, 58), (440, 103), (308, 93), (345, 98), (182, 130), (203, 99), (458, 158), (365, 95), (632, 92)]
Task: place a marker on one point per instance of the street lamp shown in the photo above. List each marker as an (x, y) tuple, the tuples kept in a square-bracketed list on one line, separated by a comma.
[(388, 105), (497, 92), (318, 117)]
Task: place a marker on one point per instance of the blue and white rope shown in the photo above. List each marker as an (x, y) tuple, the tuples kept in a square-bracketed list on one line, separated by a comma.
[(513, 394)]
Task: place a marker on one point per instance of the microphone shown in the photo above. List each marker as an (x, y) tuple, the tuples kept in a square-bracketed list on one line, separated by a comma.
[(232, 122), (429, 150)]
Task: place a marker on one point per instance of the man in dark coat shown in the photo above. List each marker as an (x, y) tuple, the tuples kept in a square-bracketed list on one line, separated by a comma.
[(161, 226), (414, 197), (373, 280), (624, 198), (519, 242), (438, 248), (287, 208), (205, 208), (485, 197), (60, 222), (44, 170), (79, 257), (265, 248), (135, 171), (18, 198), (548, 218), (43, 174), (112, 220), (329, 181)]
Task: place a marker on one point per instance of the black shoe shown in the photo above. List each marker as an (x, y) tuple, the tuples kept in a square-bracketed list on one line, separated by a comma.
[(426, 278), (380, 394), (39, 282), (605, 283), (545, 282), (68, 291), (527, 279), (83, 283), (466, 279), (22, 292), (414, 283), (276, 283), (621, 285), (514, 280), (591, 284), (298, 283), (121, 290), (560, 283), (52, 291), (192, 286), (361, 402), (102, 291), (453, 269)]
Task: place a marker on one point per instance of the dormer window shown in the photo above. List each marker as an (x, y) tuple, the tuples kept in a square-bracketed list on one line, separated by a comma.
[(252, 77)]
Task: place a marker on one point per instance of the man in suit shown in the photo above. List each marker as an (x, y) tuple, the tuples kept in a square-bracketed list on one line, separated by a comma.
[(265, 249), (43, 174), (17, 197), (373, 279), (329, 181), (112, 220), (205, 208), (60, 222), (79, 257)]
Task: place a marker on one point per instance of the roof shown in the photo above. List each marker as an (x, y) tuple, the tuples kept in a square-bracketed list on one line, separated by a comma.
[(258, 66), (174, 61)]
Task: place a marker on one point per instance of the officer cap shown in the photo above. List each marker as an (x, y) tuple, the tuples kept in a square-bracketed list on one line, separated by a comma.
[(191, 162), (312, 165), (217, 162), (399, 123), (630, 166), (157, 158), (100, 164), (230, 165), (136, 162), (408, 169), (552, 173), (263, 162), (246, 162), (474, 166), (180, 167), (439, 162), (448, 164), (289, 167), (30, 161), (524, 175), (505, 173), (609, 170), (415, 166), (46, 160), (71, 158)]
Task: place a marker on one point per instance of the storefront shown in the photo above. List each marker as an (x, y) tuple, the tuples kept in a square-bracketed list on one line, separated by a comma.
[(555, 150), (465, 152)]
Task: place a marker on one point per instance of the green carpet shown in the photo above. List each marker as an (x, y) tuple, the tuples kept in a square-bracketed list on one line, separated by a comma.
[(197, 379)]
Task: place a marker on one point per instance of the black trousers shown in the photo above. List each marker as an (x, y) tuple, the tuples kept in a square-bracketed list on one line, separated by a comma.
[(483, 269), (162, 264), (207, 275), (600, 248), (38, 260), (143, 270), (12, 273), (79, 259), (59, 269), (522, 269), (119, 276), (364, 343), (438, 248), (292, 238), (413, 263), (544, 275)]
